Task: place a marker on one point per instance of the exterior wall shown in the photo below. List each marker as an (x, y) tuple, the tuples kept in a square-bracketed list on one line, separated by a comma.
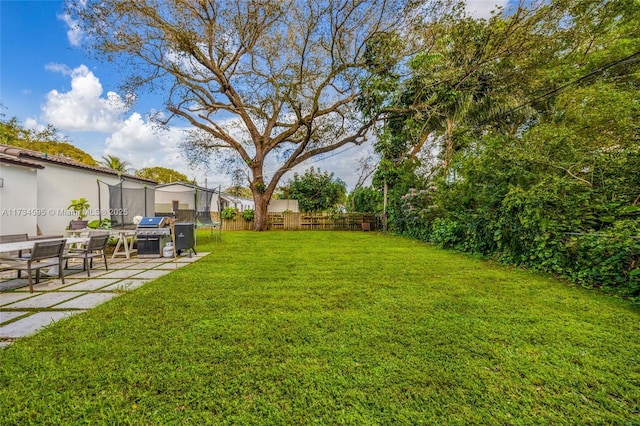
[(279, 206), (19, 200), (184, 194), (239, 203), (58, 185), (166, 195), (215, 200)]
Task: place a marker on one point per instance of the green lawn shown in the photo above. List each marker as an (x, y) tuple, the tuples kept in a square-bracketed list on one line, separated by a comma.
[(333, 328)]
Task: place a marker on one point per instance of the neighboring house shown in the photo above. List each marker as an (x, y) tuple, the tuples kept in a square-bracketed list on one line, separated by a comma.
[(240, 203), (37, 189), (176, 196)]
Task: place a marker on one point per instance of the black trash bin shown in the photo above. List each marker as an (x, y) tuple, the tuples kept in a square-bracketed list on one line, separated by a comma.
[(185, 236)]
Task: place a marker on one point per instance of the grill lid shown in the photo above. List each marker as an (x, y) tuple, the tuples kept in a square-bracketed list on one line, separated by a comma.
[(152, 222)]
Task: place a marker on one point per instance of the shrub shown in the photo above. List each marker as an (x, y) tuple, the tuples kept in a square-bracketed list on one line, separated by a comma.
[(248, 215), (102, 224), (610, 260), (229, 213), (446, 233)]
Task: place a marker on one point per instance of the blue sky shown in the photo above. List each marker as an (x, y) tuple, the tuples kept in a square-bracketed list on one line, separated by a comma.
[(47, 78)]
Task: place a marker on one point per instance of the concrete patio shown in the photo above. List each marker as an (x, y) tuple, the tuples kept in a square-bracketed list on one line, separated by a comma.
[(23, 313)]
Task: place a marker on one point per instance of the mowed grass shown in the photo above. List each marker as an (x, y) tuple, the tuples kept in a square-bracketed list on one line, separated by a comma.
[(333, 328)]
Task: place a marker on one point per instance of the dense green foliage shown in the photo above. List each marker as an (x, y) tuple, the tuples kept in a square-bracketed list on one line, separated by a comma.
[(239, 191), (316, 191), (365, 199), (48, 141), (534, 119), (161, 174), (248, 214), (229, 213), (313, 328)]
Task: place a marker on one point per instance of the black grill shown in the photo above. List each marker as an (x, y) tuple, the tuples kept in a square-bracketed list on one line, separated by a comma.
[(152, 235)]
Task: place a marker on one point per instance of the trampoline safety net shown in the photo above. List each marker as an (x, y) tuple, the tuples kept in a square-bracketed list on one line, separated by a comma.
[(203, 206), (126, 203)]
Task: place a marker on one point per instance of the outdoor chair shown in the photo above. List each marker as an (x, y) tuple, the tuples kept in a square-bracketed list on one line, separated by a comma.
[(97, 232), (13, 238), (95, 247), (45, 254)]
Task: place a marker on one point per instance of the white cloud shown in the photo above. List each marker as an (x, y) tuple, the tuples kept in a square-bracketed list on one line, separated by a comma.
[(74, 33), (481, 9), (83, 108), (134, 136), (142, 144), (33, 124), (59, 68)]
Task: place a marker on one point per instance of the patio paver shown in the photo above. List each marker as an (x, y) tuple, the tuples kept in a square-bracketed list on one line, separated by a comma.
[(44, 300), (49, 285), (29, 325), (121, 273), (91, 284), (23, 313), (171, 265), (9, 315), (13, 284), (7, 298), (87, 301), (126, 285), (152, 273)]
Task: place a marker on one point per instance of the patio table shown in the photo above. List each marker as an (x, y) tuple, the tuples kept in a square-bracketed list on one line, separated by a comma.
[(124, 246), (28, 245)]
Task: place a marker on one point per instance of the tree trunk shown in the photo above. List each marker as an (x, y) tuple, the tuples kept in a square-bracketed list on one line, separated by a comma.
[(384, 206), (448, 147), (261, 217)]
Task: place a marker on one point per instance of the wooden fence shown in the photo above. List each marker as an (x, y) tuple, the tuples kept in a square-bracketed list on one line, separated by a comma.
[(306, 221)]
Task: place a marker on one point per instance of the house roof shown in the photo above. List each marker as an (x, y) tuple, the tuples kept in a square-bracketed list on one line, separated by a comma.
[(224, 195), (10, 159), (234, 198), (189, 186), (178, 183), (30, 158)]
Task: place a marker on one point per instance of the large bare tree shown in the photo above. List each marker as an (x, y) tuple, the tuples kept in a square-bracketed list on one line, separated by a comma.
[(257, 77)]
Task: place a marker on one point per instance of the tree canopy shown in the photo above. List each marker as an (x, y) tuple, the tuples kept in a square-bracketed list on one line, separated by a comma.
[(48, 141), (116, 163), (263, 80), (161, 174), (316, 191)]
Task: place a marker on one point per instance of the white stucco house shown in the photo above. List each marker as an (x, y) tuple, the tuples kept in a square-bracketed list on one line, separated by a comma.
[(175, 196), (36, 190), (183, 196)]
